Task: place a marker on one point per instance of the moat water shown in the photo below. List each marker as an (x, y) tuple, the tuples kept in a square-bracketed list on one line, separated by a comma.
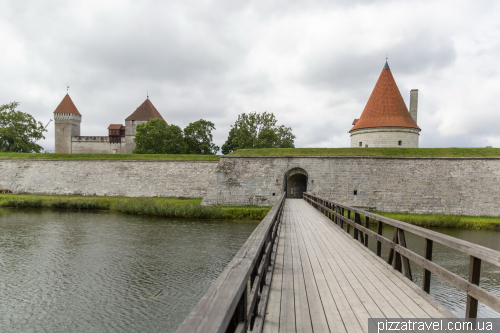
[(69, 271)]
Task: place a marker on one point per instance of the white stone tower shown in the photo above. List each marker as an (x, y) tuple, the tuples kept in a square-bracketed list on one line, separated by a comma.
[(67, 121)]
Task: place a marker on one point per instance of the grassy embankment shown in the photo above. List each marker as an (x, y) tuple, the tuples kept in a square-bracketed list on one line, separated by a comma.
[(157, 157), (448, 221), (442, 221), (165, 207), (383, 152)]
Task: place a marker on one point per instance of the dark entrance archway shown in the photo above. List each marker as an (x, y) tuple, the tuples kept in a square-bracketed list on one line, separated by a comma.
[(296, 183)]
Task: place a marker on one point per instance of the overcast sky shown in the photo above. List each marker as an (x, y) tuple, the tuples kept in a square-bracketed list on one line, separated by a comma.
[(312, 63)]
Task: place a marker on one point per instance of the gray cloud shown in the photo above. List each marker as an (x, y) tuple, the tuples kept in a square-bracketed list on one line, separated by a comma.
[(313, 64)]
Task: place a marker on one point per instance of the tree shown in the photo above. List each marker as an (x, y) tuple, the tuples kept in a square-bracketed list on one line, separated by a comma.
[(156, 137), (198, 138), (228, 146), (258, 130), (19, 130)]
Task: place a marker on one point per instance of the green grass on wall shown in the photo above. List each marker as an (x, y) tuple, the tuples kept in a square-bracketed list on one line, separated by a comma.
[(157, 157), (382, 152)]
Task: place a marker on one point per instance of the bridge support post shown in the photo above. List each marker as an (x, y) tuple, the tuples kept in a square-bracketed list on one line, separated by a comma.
[(348, 225), (239, 322), (357, 233), (405, 262), (367, 226), (426, 281), (399, 262), (357, 220), (474, 276), (379, 243)]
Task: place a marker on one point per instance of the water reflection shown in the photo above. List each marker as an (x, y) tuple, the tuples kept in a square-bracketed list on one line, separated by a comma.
[(65, 271)]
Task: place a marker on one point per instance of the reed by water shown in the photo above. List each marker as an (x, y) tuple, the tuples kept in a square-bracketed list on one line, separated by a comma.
[(165, 207)]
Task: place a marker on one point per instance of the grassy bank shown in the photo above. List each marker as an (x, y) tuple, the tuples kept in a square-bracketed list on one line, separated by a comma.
[(448, 221), (383, 152), (387, 152), (157, 157), (442, 221), (165, 207)]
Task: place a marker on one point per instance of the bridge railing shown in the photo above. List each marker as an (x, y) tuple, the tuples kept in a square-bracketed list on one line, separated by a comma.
[(399, 255), (238, 298)]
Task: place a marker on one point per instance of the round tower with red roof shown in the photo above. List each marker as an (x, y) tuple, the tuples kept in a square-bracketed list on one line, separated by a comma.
[(386, 121)]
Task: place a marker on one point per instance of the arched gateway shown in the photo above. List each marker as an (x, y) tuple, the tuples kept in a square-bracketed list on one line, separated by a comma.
[(296, 182)]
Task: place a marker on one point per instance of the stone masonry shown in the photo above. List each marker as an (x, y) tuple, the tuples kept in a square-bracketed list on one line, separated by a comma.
[(467, 186), (107, 177), (385, 137)]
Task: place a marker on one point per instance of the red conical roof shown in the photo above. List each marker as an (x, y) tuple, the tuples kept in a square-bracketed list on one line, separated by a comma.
[(386, 107), (145, 112), (67, 106)]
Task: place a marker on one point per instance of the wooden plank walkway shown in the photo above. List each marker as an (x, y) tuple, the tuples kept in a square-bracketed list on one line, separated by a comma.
[(324, 281)]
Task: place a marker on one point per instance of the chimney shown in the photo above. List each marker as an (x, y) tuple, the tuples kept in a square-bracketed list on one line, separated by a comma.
[(414, 104)]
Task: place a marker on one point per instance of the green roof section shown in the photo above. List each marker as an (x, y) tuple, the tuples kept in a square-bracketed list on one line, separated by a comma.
[(375, 152), (117, 157)]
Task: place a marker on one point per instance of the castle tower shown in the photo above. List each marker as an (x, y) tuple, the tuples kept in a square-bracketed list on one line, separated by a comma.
[(142, 114), (385, 121), (67, 121)]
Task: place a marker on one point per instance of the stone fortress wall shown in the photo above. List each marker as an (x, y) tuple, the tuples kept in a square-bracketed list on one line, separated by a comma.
[(467, 186), (107, 177), (96, 145)]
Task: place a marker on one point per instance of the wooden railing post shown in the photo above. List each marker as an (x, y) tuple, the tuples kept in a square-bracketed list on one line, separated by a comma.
[(342, 221), (367, 225), (337, 219), (426, 282), (239, 321), (379, 243), (474, 276), (348, 225), (357, 220), (405, 262), (394, 257), (358, 233)]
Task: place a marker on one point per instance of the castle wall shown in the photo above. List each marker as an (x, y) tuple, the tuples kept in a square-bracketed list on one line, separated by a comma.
[(385, 137), (107, 177), (467, 186), (95, 145)]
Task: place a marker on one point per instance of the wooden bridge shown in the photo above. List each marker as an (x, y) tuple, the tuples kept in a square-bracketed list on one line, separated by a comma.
[(302, 271)]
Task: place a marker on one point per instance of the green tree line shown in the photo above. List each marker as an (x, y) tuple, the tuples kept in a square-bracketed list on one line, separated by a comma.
[(253, 130)]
